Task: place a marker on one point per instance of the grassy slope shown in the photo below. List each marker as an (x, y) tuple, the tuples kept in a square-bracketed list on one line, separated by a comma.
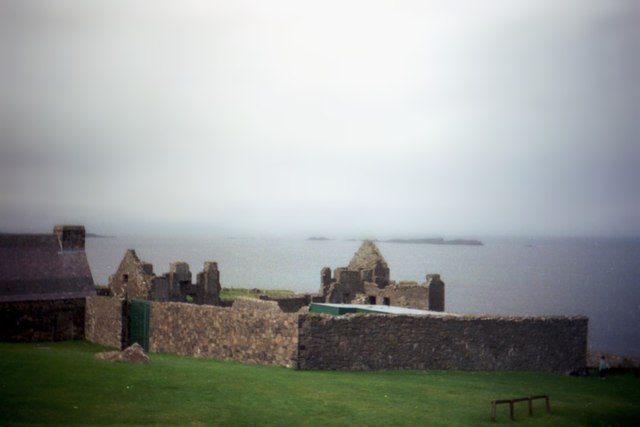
[(62, 384), (231, 293)]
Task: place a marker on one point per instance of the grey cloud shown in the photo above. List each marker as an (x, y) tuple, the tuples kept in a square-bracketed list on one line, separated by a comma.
[(431, 117)]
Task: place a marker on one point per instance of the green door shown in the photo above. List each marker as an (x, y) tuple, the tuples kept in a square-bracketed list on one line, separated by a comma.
[(139, 324)]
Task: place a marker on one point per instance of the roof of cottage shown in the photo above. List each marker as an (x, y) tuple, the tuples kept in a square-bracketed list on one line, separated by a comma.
[(367, 257), (34, 267)]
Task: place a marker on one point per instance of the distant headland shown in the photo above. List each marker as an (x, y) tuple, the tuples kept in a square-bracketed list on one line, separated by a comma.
[(438, 241), (421, 241)]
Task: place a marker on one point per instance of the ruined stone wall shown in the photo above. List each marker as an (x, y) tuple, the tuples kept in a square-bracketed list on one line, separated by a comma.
[(133, 277), (291, 303), (265, 337), (104, 323), (362, 342), (208, 284), (48, 320), (436, 292), (254, 304), (400, 295)]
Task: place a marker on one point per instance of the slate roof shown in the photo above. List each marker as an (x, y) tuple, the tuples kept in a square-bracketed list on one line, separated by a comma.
[(34, 267)]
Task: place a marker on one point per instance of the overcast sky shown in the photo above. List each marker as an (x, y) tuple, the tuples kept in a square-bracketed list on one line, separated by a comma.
[(378, 118)]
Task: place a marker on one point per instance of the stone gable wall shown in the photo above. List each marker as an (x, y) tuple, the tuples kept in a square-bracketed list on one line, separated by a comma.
[(400, 295), (254, 336), (133, 277), (363, 342), (104, 323)]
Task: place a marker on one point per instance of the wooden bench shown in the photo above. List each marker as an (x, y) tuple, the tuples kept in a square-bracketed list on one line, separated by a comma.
[(511, 402)]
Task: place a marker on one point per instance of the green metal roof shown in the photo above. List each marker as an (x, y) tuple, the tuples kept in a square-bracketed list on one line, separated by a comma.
[(339, 309)]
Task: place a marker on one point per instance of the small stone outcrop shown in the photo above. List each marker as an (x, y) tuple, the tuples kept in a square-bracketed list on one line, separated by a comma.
[(131, 354)]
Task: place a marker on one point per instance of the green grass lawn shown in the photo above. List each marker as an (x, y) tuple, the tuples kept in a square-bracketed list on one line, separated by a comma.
[(231, 293), (62, 384)]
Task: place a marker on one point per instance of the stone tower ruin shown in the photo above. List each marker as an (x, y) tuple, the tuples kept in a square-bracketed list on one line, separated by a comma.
[(366, 280), (135, 279)]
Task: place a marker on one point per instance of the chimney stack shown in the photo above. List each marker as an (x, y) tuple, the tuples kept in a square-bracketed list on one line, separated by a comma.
[(70, 237)]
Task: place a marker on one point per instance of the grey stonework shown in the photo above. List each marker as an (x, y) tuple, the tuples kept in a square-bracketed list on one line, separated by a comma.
[(259, 332), (292, 303), (242, 303), (105, 321), (246, 335), (367, 281), (135, 279), (372, 342), (279, 330)]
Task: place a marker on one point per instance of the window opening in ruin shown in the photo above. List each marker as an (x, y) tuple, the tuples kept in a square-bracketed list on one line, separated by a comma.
[(125, 278), (372, 300), (387, 301)]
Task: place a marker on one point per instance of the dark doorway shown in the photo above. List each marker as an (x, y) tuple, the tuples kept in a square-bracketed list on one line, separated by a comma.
[(139, 323)]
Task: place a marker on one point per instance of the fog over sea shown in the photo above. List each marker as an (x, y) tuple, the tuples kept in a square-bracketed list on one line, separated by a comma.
[(598, 278)]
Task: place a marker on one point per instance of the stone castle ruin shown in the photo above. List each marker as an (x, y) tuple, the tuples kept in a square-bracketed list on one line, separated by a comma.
[(366, 280), (47, 293), (135, 279)]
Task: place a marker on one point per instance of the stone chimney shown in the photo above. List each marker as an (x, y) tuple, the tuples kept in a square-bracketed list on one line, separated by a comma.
[(70, 237), (209, 282), (436, 292)]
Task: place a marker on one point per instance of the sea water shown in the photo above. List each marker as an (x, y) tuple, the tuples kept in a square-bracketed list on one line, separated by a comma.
[(598, 278)]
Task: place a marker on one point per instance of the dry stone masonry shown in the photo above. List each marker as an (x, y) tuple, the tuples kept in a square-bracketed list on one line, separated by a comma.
[(135, 279), (364, 342), (105, 323), (255, 336), (367, 281), (280, 331), (47, 293)]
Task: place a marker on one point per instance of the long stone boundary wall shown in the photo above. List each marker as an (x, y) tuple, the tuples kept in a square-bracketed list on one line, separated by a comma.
[(363, 342), (104, 321), (259, 332), (266, 337)]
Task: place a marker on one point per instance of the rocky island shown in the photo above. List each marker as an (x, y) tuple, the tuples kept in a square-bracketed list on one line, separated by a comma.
[(437, 241)]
